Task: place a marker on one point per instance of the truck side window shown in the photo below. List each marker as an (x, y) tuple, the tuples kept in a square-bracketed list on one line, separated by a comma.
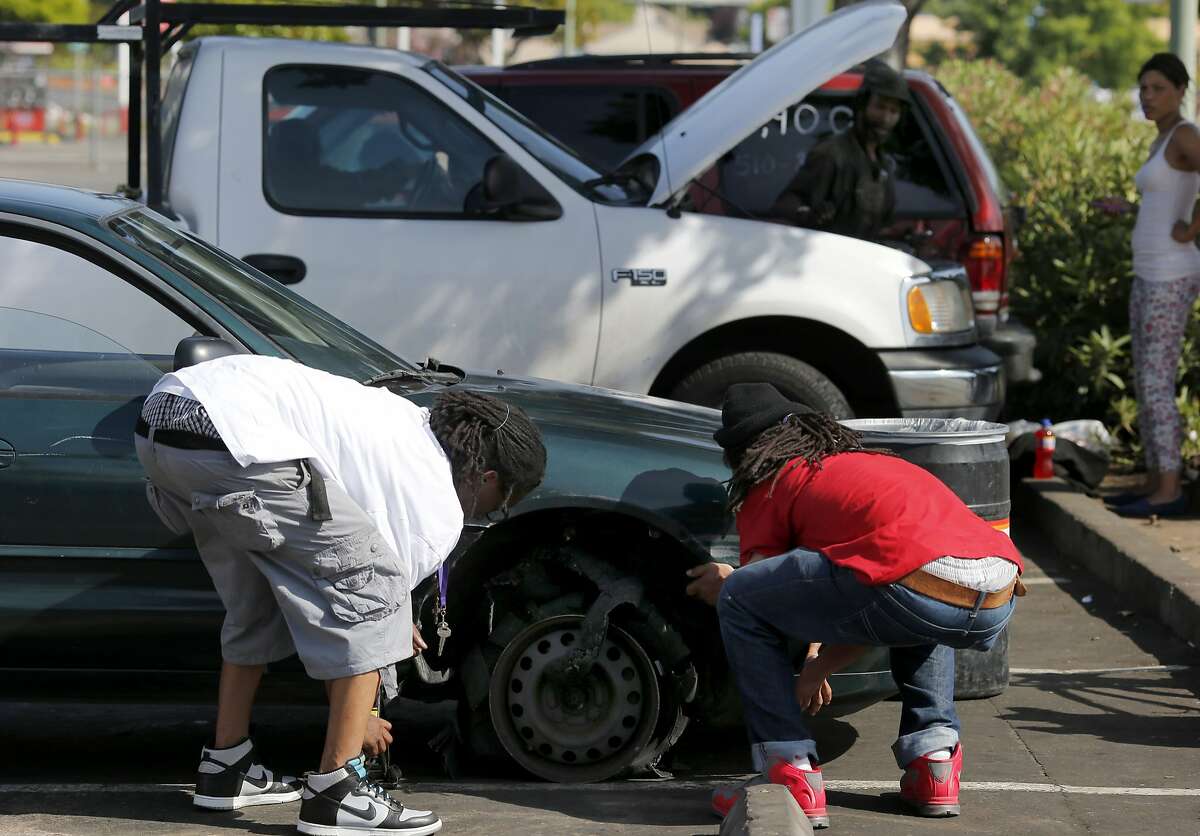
[(348, 141), (760, 167), (603, 123)]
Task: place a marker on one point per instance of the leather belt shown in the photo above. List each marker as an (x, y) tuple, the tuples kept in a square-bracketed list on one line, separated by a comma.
[(181, 439), (951, 593)]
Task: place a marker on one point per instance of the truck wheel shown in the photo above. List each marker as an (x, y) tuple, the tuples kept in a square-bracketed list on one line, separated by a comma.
[(795, 379), (617, 714), (981, 674)]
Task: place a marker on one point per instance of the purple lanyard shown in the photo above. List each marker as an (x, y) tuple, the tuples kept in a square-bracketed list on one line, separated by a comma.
[(442, 586)]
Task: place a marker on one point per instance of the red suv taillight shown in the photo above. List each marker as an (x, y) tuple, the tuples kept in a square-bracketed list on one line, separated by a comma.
[(984, 258)]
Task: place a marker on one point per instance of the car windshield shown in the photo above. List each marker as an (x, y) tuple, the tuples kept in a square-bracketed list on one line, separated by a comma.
[(302, 330), (560, 159)]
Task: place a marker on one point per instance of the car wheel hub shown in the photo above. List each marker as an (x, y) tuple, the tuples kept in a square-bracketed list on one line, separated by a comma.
[(556, 724)]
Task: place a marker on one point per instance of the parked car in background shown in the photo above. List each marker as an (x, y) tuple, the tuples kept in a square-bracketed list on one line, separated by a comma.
[(98, 600), (950, 201), (434, 218)]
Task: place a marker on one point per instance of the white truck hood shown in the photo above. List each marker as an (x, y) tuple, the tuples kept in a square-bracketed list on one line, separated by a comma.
[(783, 75)]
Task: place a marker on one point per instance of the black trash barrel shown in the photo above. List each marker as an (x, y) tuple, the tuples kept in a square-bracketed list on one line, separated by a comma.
[(971, 458)]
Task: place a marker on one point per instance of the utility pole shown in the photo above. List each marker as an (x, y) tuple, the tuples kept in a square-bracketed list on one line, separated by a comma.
[(569, 29), (807, 12), (1183, 44)]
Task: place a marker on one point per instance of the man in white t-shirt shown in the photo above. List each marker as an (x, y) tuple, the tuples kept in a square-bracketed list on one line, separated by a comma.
[(317, 505)]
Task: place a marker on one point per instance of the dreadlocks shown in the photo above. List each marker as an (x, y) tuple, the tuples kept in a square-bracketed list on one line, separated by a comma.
[(810, 436), (481, 433)]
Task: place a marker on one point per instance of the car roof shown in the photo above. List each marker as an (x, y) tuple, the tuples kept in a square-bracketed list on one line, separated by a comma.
[(672, 63), (658, 60), (51, 202)]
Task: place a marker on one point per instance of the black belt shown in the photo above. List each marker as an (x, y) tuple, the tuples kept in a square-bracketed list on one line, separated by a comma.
[(318, 495), (181, 439)]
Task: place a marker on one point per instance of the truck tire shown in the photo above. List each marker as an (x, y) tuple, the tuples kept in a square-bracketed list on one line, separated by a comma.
[(981, 674), (795, 379)]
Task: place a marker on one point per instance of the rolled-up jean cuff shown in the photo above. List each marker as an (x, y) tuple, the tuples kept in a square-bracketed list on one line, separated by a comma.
[(766, 753), (911, 746)]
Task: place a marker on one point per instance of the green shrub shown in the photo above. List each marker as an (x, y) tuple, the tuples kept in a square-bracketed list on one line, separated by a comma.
[(1059, 148)]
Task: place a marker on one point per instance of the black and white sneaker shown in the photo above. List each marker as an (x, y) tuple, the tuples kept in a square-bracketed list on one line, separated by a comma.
[(346, 803), (229, 779)]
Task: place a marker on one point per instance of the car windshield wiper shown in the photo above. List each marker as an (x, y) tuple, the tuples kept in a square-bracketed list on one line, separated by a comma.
[(431, 373)]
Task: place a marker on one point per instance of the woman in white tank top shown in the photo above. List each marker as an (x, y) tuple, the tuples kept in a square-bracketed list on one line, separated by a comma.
[(1166, 266)]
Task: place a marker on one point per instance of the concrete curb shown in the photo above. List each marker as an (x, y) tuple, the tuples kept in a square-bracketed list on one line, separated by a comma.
[(1146, 575), (766, 810)]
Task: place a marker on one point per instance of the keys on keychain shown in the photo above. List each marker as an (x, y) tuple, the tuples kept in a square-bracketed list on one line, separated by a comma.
[(443, 633), (443, 629)]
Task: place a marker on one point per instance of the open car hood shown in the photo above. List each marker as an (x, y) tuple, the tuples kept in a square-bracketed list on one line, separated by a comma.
[(783, 75)]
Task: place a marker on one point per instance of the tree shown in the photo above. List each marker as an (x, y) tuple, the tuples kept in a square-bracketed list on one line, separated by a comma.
[(1107, 40), (45, 11), (897, 56)]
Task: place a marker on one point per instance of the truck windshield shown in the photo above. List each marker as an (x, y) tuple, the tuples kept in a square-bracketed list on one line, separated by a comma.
[(302, 330), (569, 166)]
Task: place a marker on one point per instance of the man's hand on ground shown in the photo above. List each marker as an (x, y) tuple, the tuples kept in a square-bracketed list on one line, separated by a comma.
[(418, 642), (379, 736), (708, 578)]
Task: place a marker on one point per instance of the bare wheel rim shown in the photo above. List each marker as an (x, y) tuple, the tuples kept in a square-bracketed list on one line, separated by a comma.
[(577, 729)]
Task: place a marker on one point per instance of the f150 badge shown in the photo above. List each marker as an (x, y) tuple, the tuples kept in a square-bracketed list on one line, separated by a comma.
[(640, 277)]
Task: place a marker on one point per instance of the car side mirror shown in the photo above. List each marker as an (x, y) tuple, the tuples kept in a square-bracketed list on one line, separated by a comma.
[(193, 350), (514, 195)]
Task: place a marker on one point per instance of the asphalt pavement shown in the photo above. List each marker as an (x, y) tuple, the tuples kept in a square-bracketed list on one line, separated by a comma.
[(1099, 733)]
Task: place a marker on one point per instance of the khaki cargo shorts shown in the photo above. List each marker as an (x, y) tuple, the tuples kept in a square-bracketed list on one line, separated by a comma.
[(331, 591)]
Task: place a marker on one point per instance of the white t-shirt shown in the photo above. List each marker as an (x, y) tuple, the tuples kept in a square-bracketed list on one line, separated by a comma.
[(375, 444)]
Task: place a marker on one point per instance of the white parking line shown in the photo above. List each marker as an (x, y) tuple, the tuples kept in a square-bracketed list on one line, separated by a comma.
[(1082, 671), (630, 786), (1048, 579), (1016, 786), (97, 788)]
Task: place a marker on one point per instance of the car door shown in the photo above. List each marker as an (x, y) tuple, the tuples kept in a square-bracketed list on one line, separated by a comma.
[(87, 568), (367, 179)]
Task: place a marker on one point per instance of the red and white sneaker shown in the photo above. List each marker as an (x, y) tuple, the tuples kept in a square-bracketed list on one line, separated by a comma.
[(930, 788), (806, 785)]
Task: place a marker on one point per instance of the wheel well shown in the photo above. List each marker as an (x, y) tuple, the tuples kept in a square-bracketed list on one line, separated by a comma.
[(852, 367), (642, 550)]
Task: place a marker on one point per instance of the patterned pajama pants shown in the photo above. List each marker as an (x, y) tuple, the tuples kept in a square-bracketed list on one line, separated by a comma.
[(1158, 317)]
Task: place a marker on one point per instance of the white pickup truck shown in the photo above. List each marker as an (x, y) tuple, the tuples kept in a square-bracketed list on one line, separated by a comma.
[(427, 213)]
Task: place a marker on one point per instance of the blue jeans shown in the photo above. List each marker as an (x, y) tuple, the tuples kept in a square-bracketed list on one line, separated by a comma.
[(802, 595)]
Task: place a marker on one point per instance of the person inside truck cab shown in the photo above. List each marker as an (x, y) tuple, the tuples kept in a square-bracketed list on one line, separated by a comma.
[(847, 182), (299, 178)]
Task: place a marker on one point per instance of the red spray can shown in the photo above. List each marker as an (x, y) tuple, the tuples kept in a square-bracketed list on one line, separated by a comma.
[(1043, 458)]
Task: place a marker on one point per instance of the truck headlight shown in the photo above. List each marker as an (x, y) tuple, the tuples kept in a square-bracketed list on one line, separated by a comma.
[(940, 307)]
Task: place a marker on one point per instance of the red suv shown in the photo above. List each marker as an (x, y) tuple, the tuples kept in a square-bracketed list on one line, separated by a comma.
[(950, 202)]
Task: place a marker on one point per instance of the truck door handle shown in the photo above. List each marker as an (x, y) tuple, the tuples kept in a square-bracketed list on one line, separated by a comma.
[(7, 454), (286, 269)]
